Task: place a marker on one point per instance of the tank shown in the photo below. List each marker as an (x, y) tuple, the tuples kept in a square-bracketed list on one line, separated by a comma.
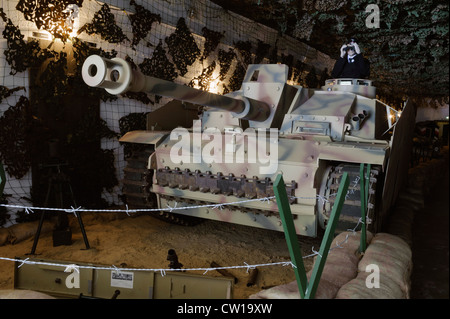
[(218, 155)]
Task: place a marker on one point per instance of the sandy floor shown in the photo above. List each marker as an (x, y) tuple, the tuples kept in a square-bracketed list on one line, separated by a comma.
[(143, 242)]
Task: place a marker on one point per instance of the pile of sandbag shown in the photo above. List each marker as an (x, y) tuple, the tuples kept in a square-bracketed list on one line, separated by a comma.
[(341, 267), (389, 256), (19, 232), (347, 276)]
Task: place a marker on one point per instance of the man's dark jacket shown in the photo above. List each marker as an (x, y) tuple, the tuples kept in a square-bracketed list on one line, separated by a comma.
[(359, 69)]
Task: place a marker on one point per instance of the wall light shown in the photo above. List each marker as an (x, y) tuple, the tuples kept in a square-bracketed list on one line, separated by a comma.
[(52, 16), (72, 22)]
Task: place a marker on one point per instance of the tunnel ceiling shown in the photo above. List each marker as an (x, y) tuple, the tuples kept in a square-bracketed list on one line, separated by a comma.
[(408, 51)]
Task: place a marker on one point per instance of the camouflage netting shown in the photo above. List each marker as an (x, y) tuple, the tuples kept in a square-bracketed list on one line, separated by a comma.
[(182, 47), (409, 51), (14, 126), (189, 42), (50, 15), (142, 22), (104, 24)]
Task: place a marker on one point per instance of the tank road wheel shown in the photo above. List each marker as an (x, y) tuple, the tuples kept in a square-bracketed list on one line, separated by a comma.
[(137, 183), (351, 210)]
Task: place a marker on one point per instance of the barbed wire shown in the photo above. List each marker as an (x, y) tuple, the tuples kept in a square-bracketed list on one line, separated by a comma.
[(163, 271), (73, 210)]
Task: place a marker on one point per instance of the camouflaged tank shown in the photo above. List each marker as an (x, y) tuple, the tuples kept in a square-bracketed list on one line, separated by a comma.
[(204, 150)]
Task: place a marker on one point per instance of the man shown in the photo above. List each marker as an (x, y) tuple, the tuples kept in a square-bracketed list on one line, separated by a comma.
[(351, 64)]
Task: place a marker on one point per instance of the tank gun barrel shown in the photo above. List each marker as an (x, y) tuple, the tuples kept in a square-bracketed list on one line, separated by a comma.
[(118, 77)]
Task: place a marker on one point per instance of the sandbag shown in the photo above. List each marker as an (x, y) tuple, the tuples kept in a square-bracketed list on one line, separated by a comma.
[(358, 289), (342, 263), (23, 294), (325, 290), (286, 291), (393, 256), (20, 232), (349, 241), (4, 236), (341, 267)]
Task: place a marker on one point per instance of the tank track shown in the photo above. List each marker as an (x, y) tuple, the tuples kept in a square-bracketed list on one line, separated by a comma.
[(351, 209), (137, 182)]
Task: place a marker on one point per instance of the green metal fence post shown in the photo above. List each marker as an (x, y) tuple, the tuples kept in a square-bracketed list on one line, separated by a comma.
[(362, 189), (290, 234), (364, 194), (367, 186), (327, 238)]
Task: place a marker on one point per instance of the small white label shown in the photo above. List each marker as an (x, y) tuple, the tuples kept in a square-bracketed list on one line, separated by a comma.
[(122, 279)]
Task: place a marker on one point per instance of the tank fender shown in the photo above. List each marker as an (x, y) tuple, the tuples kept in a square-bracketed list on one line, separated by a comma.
[(145, 137)]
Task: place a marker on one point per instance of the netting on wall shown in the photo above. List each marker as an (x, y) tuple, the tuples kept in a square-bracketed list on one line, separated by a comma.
[(195, 43), (17, 190)]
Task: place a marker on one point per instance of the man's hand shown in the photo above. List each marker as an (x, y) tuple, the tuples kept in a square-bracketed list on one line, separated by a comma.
[(343, 51), (357, 49)]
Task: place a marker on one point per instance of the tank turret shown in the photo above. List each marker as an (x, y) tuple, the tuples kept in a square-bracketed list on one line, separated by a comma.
[(221, 164)]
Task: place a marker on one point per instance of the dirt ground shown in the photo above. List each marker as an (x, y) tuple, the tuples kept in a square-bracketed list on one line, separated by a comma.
[(143, 242)]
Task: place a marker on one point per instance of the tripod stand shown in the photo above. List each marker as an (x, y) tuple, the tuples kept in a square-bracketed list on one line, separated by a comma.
[(57, 183)]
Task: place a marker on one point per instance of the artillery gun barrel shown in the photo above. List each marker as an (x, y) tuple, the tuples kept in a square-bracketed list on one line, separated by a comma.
[(118, 77)]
